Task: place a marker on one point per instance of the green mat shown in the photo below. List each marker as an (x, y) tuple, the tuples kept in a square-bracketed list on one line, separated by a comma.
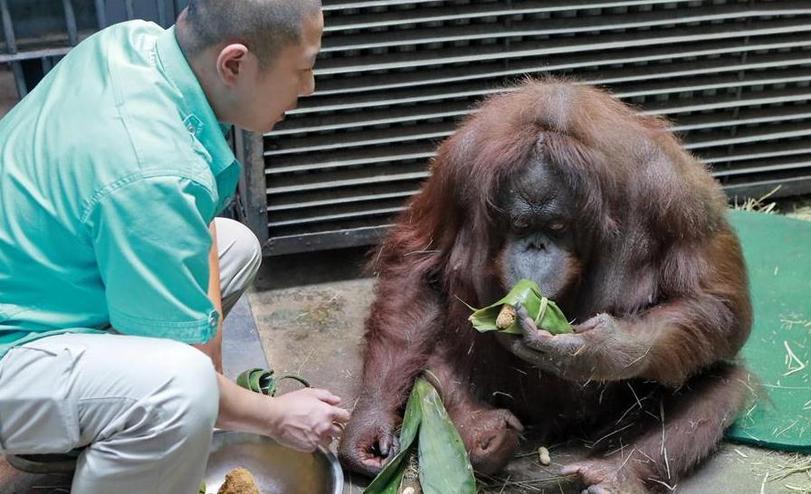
[(778, 257)]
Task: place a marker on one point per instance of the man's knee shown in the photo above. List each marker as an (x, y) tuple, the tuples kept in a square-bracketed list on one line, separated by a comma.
[(191, 402), (239, 246)]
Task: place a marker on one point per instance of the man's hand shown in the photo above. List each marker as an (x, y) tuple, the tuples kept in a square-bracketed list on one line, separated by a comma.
[(306, 418), (302, 419)]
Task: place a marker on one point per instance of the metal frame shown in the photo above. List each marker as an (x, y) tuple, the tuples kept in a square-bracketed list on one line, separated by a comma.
[(15, 55), (252, 185), (338, 169), (396, 76)]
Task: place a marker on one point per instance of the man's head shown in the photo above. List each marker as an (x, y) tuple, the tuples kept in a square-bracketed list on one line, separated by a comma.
[(254, 58)]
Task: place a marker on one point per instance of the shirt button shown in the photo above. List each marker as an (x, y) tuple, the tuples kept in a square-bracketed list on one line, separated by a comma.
[(193, 124)]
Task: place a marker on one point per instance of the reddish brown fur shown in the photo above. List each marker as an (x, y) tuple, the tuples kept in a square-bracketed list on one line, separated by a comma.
[(665, 267)]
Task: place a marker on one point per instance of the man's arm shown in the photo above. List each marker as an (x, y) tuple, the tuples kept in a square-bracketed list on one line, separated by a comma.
[(302, 419), (141, 260), (213, 348)]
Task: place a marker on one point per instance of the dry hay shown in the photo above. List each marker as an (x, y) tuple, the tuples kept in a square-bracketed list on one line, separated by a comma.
[(792, 474), (801, 212), (758, 205)]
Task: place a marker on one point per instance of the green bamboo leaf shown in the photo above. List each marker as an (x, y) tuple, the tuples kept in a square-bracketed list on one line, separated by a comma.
[(552, 319), (388, 480), (258, 380), (444, 464), (547, 314)]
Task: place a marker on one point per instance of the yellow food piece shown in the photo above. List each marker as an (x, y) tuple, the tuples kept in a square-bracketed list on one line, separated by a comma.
[(239, 481), (506, 316)]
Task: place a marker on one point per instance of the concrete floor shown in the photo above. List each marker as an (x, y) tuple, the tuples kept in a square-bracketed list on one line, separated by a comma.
[(310, 310)]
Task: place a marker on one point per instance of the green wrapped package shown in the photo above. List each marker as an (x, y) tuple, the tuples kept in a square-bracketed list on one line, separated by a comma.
[(444, 465), (265, 381), (501, 316), (389, 479), (443, 461)]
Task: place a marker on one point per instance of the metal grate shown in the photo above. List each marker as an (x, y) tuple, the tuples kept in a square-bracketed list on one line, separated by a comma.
[(38, 33), (394, 77)]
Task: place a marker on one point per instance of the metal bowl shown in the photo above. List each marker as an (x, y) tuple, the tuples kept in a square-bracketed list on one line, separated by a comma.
[(277, 469)]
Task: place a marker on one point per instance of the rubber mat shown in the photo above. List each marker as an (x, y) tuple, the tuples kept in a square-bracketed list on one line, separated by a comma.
[(778, 256)]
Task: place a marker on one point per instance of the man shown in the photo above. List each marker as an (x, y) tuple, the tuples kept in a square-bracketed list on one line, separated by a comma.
[(111, 173)]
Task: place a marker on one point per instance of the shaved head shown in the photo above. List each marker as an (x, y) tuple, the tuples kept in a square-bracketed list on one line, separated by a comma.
[(263, 26)]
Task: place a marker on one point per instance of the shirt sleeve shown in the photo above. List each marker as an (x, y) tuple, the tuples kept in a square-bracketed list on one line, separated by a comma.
[(152, 242)]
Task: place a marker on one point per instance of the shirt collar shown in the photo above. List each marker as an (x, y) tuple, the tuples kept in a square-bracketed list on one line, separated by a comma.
[(198, 117)]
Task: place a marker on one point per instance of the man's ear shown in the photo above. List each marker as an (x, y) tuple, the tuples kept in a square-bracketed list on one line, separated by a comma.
[(231, 61)]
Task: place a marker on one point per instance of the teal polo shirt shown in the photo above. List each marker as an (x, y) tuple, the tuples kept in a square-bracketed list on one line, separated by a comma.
[(111, 170)]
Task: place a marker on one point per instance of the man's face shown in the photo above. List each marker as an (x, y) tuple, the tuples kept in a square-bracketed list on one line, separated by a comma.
[(266, 95)]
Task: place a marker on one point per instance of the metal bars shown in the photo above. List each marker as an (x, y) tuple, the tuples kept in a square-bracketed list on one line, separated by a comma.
[(101, 14), (70, 19), (11, 48), (33, 43), (395, 77)]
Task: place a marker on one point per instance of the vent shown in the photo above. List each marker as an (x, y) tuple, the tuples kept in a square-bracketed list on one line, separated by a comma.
[(36, 34), (395, 77)]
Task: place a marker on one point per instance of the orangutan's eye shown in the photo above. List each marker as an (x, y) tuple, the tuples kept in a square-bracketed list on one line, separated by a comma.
[(520, 223)]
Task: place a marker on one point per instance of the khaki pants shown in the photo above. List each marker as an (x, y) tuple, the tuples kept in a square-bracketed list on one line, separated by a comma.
[(144, 407)]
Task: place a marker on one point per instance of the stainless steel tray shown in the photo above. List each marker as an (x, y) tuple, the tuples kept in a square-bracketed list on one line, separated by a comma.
[(277, 470)]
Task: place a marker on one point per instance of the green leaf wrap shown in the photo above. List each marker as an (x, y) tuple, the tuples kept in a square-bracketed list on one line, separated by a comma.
[(546, 314)]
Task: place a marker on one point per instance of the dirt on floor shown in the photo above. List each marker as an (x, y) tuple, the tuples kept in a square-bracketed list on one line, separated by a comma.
[(316, 330), (313, 324), (310, 310)]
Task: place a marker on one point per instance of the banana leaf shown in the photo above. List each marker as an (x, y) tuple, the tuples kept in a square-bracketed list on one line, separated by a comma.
[(388, 480), (546, 314), (444, 464), (265, 381)]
